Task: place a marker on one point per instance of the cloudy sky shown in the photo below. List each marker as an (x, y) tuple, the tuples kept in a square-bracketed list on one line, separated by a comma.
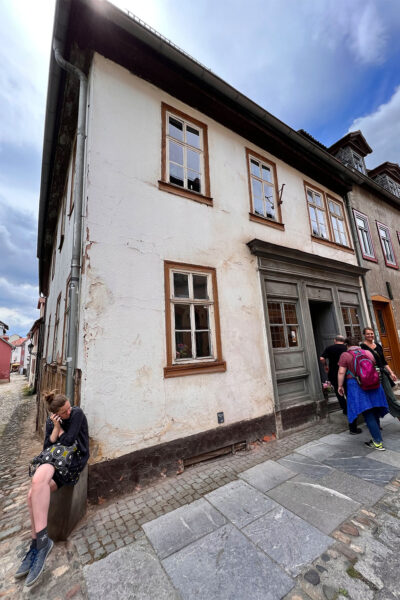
[(327, 66)]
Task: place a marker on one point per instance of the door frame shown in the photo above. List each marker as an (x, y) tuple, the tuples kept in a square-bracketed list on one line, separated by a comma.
[(392, 331)]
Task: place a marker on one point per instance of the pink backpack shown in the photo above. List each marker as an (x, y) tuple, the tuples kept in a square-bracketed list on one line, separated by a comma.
[(364, 371)]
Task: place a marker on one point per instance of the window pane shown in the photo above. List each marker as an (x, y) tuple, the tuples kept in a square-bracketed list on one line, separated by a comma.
[(194, 181), (200, 287), (182, 316), (360, 223), (321, 217), (269, 193), (258, 206), (203, 344), (254, 167), (181, 285), (201, 317), (257, 188), (193, 160), (357, 332), (176, 174), (348, 330), (293, 337), (270, 211), (381, 322), (354, 316), (345, 315), (317, 199), (175, 152), (266, 173), (331, 206), (192, 136), (278, 337), (290, 313), (175, 129), (309, 196), (183, 341), (274, 312)]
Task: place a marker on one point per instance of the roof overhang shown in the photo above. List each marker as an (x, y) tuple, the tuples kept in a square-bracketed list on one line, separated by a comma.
[(355, 140), (387, 168)]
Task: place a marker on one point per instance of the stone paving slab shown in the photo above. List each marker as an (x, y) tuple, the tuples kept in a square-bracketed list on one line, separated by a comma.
[(225, 565), (305, 464), (266, 475), (288, 539), (390, 457), (364, 468), (171, 532), (357, 489), (131, 573), (321, 506), (240, 503)]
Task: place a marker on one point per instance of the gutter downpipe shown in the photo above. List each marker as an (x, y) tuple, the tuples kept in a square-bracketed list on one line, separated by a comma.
[(359, 260), (72, 347)]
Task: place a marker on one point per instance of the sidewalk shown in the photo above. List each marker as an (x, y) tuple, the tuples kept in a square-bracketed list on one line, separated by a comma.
[(313, 515)]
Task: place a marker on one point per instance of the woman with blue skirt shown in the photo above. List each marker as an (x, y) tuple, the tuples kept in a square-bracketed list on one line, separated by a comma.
[(371, 403)]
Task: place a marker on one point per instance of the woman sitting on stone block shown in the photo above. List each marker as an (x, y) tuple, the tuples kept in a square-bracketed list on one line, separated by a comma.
[(65, 454)]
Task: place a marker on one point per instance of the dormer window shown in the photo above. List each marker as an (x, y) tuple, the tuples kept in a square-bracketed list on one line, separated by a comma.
[(358, 162)]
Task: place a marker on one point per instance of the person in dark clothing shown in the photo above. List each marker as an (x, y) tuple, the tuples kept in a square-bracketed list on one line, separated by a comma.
[(67, 426), (387, 376), (332, 354)]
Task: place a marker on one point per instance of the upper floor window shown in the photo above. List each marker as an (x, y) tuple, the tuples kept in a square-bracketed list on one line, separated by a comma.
[(264, 197), (364, 235), (316, 210), (327, 217), (358, 162), (192, 318), (184, 156), (338, 222), (387, 247)]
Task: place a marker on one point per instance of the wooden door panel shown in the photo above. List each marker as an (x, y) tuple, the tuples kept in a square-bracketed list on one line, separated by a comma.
[(383, 327)]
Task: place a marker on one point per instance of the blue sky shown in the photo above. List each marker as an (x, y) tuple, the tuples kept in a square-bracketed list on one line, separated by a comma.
[(327, 66)]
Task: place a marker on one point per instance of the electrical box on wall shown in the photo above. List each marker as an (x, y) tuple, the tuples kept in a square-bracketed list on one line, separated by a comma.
[(220, 417)]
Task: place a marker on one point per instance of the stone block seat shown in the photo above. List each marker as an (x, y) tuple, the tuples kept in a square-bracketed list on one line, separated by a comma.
[(67, 507)]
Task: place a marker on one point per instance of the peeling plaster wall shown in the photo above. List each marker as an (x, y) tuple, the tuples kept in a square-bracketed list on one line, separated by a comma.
[(131, 228)]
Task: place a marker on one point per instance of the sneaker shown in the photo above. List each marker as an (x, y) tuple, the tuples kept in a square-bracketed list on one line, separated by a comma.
[(27, 562), (356, 432), (375, 445), (38, 563)]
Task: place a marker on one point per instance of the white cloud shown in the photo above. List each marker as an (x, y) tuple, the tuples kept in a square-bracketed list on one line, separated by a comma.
[(381, 129), (18, 321)]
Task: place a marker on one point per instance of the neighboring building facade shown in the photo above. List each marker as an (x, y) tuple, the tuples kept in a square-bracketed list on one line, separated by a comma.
[(18, 353), (5, 354), (375, 207), (214, 233)]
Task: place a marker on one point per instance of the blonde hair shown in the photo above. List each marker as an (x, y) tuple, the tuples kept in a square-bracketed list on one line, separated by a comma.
[(54, 400)]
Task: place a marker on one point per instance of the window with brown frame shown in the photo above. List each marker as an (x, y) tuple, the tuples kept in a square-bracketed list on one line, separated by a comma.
[(56, 324), (66, 321), (263, 189), (284, 324), (184, 156), (72, 180), (351, 321), (327, 218), (192, 320)]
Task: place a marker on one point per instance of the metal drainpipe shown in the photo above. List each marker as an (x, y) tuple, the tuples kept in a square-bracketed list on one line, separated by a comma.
[(359, 260), (72, 348)]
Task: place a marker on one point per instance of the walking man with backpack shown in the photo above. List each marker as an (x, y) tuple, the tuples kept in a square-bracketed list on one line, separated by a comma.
[(365, 394), (332, 354)]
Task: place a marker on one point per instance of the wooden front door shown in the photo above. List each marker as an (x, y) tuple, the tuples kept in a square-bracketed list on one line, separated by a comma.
[(387, 333)]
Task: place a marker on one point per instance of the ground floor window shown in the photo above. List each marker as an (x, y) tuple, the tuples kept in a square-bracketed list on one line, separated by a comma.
[(351, 321), (283, 324), (192, 319)]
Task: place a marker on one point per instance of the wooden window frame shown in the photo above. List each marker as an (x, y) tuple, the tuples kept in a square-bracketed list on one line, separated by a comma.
[(163, 183), (71, 196), (196, 366), (284, 324), (351, 324), (56, 326), (253, 216), (325, 196), (380, 226), (340, 203), (66, 312), (364, 218)]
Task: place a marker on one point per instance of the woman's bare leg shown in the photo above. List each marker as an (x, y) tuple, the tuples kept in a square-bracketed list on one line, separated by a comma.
[(33, 530), (40, 495)]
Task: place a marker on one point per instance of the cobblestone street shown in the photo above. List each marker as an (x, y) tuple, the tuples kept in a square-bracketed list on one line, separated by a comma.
[(113, 525)]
